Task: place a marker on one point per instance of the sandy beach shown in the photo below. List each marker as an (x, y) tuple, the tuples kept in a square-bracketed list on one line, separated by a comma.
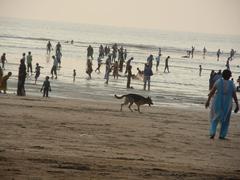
[(77, 139)]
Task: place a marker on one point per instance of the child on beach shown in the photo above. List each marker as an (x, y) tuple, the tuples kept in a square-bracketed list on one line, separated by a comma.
[(54, 67), (3, 82), (74, 75), (37, 72), (46, 87)]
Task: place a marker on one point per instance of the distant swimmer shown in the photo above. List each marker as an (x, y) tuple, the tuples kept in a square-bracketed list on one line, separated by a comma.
[(232, 53), (74, 75), (200, 70), (192, 51), (49, 47), (204, 52), (218, 54), (159, 52), (3, 60)]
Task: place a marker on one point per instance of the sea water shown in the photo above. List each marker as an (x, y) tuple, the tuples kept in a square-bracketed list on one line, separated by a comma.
[(182, 86)]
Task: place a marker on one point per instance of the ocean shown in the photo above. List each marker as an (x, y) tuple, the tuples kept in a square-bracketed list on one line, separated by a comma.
[(181, 87)]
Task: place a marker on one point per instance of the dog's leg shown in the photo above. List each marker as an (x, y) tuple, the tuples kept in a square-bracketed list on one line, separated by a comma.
[(138, 108), (131, 103)]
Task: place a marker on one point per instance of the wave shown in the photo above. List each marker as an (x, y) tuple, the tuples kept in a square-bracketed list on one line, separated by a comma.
[(131, 46)]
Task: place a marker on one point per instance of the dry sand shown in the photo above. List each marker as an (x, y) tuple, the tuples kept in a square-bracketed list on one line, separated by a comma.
[(76, 139)]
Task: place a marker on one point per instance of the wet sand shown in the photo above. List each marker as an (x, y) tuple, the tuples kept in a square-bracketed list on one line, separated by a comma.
[(79, 139)]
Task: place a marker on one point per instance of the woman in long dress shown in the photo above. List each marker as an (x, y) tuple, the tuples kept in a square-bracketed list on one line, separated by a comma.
[(222, 92)]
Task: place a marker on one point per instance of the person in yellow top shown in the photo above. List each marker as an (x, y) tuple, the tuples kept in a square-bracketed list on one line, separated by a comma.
[(3, 82)]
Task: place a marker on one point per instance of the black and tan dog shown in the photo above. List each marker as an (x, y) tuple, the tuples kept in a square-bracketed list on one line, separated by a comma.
[(134, 98)]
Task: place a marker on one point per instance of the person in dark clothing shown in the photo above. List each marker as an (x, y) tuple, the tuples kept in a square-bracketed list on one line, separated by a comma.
[(3, 60), (147, 76), (49, 47), (129, 76), (128, 64), (37, 71), (90, 52), (21, 77), (74, 75), (46, 87), (166, 64)]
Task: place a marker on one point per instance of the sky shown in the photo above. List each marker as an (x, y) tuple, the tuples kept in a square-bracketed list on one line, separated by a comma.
[(204, 16)]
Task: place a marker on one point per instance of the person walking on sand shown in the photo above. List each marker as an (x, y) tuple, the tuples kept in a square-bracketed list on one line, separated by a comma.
[(3, 82), (54, 67), (166, 64), (29, 62), (3, 60), (147, 76), (46, 87), (37, 72), (222, 92), (74, 75), (21, 77)]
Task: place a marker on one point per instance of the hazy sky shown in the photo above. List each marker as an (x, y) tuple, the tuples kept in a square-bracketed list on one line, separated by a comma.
[(210, 16)]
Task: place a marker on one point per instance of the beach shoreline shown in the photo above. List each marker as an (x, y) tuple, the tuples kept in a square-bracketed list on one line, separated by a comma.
[(91, 139)]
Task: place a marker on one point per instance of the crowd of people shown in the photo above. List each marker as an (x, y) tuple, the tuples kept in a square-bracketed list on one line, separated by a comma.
[(116, 57), (222, 89)]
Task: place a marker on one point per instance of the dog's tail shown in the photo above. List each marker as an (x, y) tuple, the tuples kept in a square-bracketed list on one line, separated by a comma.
[(119, 97)]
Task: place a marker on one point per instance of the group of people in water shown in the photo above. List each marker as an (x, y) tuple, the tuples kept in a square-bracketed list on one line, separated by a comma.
[(116, 57)]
